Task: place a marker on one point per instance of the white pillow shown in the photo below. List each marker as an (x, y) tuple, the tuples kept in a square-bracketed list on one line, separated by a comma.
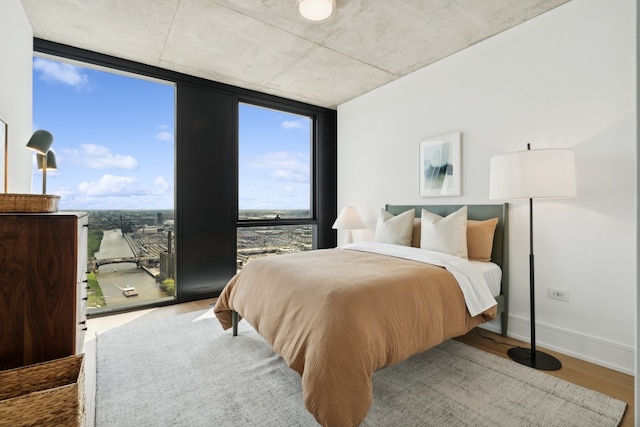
[(396, 230), (448, 235)]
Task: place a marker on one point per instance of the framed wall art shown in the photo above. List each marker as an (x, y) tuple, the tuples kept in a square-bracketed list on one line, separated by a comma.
[(440, 166)]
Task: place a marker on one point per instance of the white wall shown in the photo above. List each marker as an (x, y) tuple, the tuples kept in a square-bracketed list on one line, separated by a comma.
[(564, 79), (16, 51)]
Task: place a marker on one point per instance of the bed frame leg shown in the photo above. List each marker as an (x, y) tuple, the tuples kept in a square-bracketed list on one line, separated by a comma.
[(234, 322), (504, 322)]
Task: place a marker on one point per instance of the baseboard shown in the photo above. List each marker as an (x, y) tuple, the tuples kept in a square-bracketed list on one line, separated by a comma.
[(609, 354)]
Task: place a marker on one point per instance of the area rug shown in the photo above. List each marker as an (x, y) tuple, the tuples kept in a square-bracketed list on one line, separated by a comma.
[(185, 371)]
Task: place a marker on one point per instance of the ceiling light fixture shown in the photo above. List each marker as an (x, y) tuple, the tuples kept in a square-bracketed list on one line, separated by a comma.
[(316, 10)]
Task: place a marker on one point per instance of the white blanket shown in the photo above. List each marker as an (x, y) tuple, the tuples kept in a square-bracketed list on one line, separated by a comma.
[(474, 286)]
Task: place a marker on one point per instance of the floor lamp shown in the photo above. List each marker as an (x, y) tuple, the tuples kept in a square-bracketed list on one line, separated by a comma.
[(533, 174)]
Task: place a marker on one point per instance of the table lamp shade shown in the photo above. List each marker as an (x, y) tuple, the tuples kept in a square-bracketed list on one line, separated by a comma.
[(348, 219), (50, 160), (40, 141), (546, 173)]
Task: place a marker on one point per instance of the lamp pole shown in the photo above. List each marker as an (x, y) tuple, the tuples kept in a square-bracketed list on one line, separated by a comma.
[(43, 159), (6, 157), (532, 294)]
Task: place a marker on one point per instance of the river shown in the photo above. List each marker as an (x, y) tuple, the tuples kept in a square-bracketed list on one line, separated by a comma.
[(115, 277)]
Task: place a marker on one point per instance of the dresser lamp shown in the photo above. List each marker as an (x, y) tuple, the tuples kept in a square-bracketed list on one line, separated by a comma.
[(40, 142), (533, 174), (349, 219)]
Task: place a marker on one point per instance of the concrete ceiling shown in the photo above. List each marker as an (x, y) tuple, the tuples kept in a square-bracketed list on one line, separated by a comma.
[(263, 45)]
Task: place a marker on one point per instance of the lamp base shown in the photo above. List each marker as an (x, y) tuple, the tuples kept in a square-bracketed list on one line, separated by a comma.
[(544, 361)]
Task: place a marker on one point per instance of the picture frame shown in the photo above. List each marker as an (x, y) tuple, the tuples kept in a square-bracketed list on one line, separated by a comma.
[(440, 166)]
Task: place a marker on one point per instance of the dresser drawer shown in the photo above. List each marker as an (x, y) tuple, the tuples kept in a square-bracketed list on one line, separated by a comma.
[(43, 258)]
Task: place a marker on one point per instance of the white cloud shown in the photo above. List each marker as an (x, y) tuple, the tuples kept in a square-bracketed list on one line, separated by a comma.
[(161, 185), (164, 133), (293, 124), (108, 185), (284, 166), (60, 73), (290, 175), (99, 157), (164, 136)]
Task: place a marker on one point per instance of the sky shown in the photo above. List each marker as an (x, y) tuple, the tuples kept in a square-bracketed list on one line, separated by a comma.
[(273, 159), (114, 143)]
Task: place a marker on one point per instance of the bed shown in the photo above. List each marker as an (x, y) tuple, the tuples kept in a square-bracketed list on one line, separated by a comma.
[(337, 315)]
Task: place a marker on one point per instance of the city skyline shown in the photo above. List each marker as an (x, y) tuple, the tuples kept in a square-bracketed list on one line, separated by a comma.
[(114, 143)]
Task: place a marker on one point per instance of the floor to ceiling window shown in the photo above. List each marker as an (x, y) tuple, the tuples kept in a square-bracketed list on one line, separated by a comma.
[(275, 182), (205, 128), (114, 145)]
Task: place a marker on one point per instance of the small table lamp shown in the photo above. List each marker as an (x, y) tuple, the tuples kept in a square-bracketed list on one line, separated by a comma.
[(349, 219), (533, 174), (40, 142)]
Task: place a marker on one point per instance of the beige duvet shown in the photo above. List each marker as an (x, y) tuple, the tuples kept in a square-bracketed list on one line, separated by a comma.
[(336, 316)]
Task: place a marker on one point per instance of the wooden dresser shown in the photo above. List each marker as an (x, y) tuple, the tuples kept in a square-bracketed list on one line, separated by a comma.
[(43, 262)]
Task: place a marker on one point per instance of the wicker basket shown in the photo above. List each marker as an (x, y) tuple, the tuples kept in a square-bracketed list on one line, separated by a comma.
[(32, 203), (45, 394)]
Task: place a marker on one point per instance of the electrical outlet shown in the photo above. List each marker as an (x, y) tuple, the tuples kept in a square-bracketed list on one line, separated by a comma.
[(561, 294)]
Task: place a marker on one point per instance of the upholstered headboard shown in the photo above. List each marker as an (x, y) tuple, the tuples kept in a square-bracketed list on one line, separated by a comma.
[(499, 254)]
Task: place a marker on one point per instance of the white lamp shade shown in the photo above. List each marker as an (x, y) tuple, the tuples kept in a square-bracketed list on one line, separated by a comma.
[(349, 219), (316, 10), (532, 174)]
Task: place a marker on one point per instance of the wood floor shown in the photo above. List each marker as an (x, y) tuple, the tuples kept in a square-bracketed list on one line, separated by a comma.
[(607, 381)]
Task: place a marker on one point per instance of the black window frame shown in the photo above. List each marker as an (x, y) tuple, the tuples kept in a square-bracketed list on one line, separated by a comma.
[(206, 144), (313, 216)]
